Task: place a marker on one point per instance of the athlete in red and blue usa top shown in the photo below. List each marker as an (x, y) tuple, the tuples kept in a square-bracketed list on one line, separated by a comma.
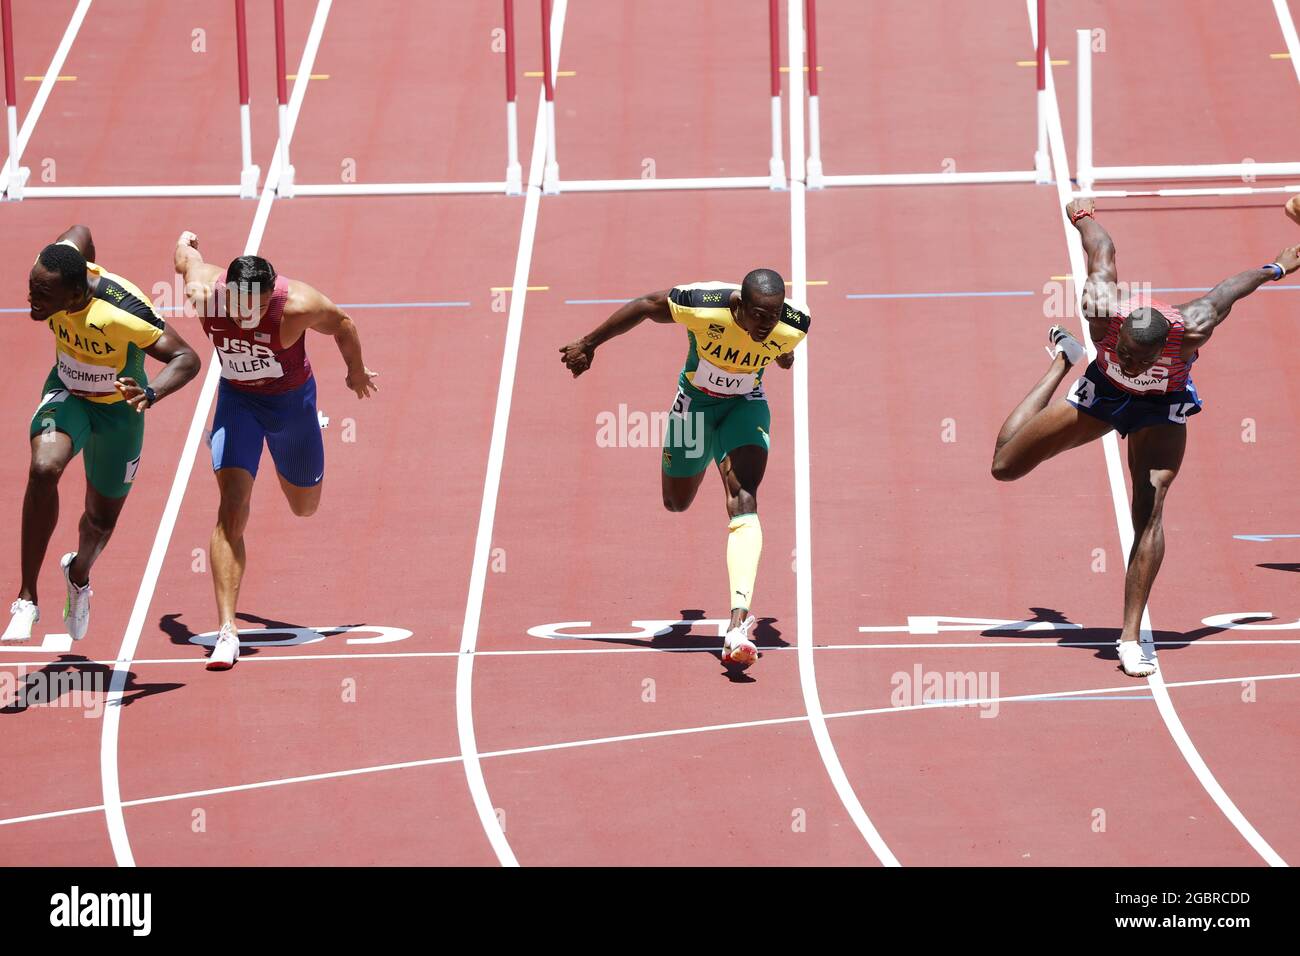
[(1140, 385), (258, 323)]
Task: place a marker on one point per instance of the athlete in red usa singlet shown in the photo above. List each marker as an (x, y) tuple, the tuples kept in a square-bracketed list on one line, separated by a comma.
[(1140, 386), (258, 324)]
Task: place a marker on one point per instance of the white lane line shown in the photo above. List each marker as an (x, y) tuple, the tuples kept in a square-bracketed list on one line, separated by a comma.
[(802, 469), (570, 651), (47, 84), (108, 744), (626, 738), (492, 482), (1288, 33), (1110, 444)]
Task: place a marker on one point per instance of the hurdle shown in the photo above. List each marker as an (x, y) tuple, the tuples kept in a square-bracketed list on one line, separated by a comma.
[(15, 175), (1087, 175), (817, 179), (775, 179)]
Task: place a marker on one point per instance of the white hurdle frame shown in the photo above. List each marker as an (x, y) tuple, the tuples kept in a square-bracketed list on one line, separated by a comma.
[(1088, 175)]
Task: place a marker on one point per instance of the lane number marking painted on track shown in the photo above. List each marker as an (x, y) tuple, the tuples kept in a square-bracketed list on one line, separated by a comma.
[(293, 636), (645, 630), (924, 624), (50, 644)]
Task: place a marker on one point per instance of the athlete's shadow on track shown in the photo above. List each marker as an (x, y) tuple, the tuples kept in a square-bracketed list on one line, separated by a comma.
[(1280, 567), (681, 640), (181, 634), (75, 681), (1165, 640)]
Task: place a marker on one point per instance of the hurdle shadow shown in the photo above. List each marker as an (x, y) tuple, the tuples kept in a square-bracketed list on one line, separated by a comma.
[(680, 639), (180, 634), (74, 673), (1165, 640)]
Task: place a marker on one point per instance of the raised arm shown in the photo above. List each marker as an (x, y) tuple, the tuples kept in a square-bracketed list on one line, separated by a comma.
[(577, 356), (1100, 295), (1202, 316), (311, 309), (79, 236), (200, 277)]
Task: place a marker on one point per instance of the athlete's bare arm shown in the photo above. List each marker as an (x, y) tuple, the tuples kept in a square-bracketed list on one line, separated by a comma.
[(180, 364), (1202, 316), (577, 356), (308, 308), (200, 277), (1100, 296), (79, 236)]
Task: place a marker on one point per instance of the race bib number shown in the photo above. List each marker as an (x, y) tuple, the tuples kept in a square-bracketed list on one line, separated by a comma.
[(1084, 392), (248, 362), (1153, 380), (710, 378), (85, 378)]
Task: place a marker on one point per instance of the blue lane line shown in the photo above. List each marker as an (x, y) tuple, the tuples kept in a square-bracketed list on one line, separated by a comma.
[(934, 295), (342, 305), (1263, 537), (598, 301)]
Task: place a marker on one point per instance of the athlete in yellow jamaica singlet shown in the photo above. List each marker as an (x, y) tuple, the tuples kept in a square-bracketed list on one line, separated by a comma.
[(733, 333), (92, 402)]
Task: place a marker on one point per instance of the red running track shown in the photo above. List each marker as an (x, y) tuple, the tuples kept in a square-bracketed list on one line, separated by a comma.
[(620, 750)]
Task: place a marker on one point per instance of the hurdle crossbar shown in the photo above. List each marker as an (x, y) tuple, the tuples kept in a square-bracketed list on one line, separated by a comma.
[(1087, 174), (815, 173)]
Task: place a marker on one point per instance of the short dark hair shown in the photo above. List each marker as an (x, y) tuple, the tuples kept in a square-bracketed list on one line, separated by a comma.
[(67, 263), (251, 272), (762, 283), (1146, 326)]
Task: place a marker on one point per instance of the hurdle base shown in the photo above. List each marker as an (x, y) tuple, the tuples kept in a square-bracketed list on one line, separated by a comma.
[(248, 182), (551, 180), (514, 180), (14, 188), (776, 167), (816, 177), (284, 186)]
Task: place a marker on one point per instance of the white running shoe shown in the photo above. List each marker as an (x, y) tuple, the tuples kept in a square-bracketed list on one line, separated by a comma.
[(737, 648), (25, 614), (226, 651), (76, 609), (1063, 343), (1137, 658)]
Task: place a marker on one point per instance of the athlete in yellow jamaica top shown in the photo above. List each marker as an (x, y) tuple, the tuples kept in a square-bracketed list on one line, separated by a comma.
[(93, 400), (733, 332)]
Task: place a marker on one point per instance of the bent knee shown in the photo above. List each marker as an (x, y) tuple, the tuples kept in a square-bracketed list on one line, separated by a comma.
[(676, 504), (304, 509), (45, 471), (1006, 470)]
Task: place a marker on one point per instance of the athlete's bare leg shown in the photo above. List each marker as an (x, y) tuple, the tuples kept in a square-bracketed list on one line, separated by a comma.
[(1036, 431), (1154, 456), (51, 453), (742, 472), (679, 491), (302, 501), (227, 544), (97, 524)]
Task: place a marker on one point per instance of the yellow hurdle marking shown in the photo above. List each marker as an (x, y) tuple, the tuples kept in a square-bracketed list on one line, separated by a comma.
[(310, 76), (1279, 56), (1035, 63), (537, 74), (816, 282), (786, 69), (57, 79), (1062, 278)]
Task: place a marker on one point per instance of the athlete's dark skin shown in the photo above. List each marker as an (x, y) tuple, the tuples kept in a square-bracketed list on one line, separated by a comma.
[(741, 470), (1036, 430), (52, 450)]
